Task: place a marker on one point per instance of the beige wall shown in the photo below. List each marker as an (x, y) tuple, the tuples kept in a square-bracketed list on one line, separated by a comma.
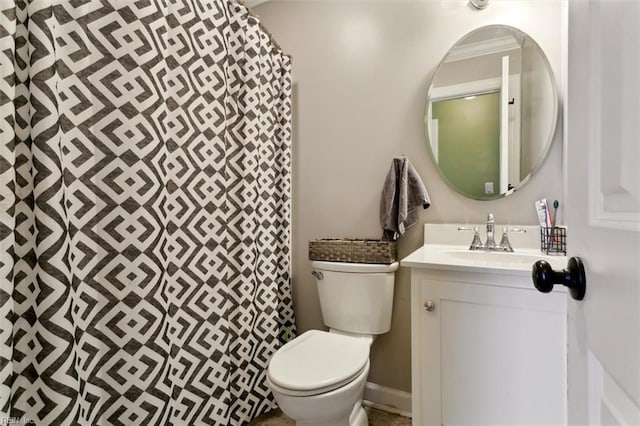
[(361, 71), (536, 110)]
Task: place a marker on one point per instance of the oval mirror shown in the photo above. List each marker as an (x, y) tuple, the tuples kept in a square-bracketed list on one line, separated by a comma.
[(491, 112)]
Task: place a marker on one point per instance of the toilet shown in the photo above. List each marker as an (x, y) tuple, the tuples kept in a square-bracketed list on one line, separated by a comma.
[(318, 378)]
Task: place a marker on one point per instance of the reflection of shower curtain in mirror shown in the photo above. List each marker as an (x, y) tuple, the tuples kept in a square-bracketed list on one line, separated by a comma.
[(144, 212)]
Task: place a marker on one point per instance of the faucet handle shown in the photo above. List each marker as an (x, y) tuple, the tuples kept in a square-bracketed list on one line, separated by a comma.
[(476, 244), (505, 244), (510, 230)]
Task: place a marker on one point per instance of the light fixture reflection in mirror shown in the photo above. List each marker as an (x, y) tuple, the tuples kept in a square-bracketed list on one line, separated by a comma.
[(491, 112)]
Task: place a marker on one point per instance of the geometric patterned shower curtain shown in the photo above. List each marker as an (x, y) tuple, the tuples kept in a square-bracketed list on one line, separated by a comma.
[(145, 156)]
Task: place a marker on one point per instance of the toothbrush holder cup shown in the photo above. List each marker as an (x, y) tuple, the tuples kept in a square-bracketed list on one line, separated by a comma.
[(553, 240)]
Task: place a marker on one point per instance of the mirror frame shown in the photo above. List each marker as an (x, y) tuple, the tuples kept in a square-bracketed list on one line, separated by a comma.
[(550, 137)]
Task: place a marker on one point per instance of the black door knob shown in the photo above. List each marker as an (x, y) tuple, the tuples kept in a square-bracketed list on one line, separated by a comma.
[(544, 277)]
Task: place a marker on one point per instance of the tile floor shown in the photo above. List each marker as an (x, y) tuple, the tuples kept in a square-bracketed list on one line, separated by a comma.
[(376, 418)]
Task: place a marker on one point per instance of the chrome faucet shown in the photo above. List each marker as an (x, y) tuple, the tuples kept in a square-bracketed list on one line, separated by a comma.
[(490, 244)]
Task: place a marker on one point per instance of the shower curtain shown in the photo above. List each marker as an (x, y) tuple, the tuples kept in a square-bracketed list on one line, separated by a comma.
[(144, 212)]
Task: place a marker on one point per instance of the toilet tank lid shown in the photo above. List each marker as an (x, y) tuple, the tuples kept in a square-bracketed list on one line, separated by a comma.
[(363, 268), (318, 360)]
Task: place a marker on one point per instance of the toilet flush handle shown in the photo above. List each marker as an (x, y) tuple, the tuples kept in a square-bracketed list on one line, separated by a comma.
[(318, 275)]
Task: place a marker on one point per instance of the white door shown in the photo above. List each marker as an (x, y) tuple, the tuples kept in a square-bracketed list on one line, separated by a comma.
[(603, 210)]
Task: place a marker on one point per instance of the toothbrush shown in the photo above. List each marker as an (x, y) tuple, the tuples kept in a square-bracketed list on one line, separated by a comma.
[(554, 224)]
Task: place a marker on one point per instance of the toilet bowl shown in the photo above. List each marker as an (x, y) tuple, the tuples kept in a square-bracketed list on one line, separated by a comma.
[(318, 378)]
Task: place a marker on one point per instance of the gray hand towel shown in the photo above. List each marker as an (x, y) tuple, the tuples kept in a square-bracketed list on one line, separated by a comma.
[(403, 192)]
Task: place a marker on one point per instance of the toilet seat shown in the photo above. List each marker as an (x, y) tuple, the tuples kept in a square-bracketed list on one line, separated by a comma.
[(317, 362)]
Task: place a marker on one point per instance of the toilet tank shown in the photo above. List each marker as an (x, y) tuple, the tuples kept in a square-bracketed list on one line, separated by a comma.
[(356, 297)]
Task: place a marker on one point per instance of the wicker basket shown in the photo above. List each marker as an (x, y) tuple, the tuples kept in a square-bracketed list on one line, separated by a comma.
[(353, 250)]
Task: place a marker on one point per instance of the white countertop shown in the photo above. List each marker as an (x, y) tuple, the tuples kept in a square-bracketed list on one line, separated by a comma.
[(460, 258), (446, 248)]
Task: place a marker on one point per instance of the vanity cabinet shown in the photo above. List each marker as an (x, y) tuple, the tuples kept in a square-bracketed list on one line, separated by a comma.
[(487, 348)]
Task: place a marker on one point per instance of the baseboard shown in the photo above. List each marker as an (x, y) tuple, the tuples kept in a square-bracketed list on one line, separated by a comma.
[(387, 399)]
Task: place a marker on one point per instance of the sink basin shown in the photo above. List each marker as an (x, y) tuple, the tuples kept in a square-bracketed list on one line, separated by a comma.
[(456, 257), (446, 248)]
